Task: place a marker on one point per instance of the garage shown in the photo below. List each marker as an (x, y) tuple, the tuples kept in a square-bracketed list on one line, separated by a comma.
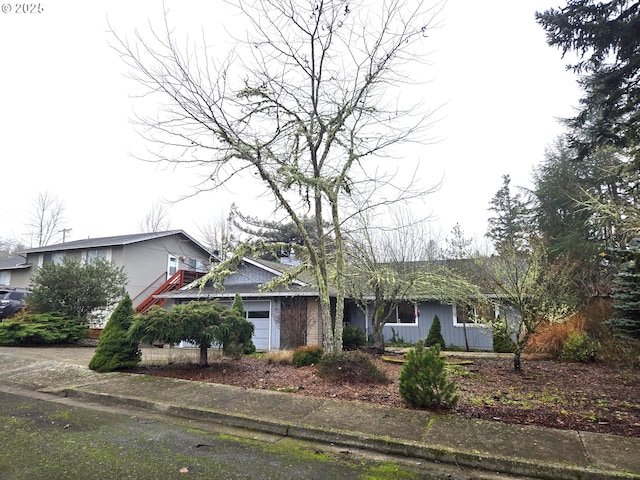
[(258, 312)]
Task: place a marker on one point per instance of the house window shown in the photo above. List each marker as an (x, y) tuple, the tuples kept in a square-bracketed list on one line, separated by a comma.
[(258, 314), (5, 278), (97, 253), (195, 265), (172, 266), (405, 313), (55, 258), (472, 314)]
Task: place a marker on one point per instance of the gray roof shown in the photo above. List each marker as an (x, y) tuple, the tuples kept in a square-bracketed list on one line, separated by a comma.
[(244, 290), (13, 263), (298, 288), (119, 240)]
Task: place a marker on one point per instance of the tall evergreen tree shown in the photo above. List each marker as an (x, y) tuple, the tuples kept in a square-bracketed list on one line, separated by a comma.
[(559, 183), (604, 35), (626, 293), (115, 350), (562, 188), (511, 225)]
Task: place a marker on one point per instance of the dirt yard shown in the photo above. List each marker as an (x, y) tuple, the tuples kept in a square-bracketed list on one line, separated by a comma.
[(588, 397)]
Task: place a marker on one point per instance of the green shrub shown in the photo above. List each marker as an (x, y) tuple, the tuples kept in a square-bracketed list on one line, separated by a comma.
[(455, 348), (502, 342), (435, 334), (423, 379), (397, 340), (304, 356), (31, 329), (579, 347), (353, 337), (236, 332), (350, 367), (115, 350)]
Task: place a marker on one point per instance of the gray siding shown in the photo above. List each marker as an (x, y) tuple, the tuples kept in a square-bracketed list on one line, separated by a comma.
[(20, 278), (478, 336), (146, 263)]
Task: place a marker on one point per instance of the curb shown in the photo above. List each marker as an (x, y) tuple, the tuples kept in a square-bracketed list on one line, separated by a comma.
[(385, 445)]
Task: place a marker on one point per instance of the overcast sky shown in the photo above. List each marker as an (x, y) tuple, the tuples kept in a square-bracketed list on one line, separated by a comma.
[(66, 109)]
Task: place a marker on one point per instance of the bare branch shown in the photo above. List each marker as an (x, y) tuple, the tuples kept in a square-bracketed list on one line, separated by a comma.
[(307, 105)]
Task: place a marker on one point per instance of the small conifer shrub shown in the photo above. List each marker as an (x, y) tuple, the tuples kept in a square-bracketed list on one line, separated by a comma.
[(435, 334), (423, 379), (115, 350), (353, 337), (33, 329)]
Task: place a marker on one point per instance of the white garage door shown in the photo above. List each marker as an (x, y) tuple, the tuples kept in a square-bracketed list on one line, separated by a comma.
[(259, 313)]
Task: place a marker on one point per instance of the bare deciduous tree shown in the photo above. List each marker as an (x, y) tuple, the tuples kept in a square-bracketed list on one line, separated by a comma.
[(394, 263), (47, 219), (538, 289), (308, 104), (218, 236), (156, 219), (9, 246)]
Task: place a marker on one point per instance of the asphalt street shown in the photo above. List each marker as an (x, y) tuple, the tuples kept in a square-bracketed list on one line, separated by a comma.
[(48, 439)]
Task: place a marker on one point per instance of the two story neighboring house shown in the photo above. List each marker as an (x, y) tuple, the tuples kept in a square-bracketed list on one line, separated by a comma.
[(153, 262)]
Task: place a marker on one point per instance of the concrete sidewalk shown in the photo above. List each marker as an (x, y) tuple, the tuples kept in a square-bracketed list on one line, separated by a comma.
[(492, 446)]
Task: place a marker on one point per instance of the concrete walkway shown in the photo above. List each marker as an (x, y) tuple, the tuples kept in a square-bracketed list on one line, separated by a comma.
[(513, 449)]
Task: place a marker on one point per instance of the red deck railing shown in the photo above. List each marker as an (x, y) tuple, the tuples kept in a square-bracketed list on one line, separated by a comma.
[(174, 282)]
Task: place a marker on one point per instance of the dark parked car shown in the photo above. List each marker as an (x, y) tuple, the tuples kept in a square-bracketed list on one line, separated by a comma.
[(11, 301)]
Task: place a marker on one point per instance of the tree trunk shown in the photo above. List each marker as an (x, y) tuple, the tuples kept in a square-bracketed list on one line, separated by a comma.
[(517, 366), (204, 360), (516, 361), (378, 324), (466, 340), (521, 342), (378, 338)]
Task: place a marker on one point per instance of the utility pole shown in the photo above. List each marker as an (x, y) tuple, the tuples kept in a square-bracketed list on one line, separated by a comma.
[(64, 233)]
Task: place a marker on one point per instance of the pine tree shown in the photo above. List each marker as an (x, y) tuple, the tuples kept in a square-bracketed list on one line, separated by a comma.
[(423, 379), (435, 334), (115, 351), (626, 293)]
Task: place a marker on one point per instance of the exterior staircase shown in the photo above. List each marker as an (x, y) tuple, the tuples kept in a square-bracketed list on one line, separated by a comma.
[(174, 282)]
